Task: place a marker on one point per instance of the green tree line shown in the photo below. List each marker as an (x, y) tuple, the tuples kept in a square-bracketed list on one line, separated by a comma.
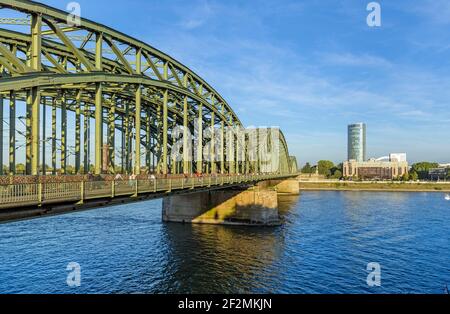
[(326, 168), (418, 171)]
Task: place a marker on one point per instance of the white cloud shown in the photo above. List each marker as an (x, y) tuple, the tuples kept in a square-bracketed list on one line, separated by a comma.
[(437, 11), (269, 83), (198, 15), (349, 59)]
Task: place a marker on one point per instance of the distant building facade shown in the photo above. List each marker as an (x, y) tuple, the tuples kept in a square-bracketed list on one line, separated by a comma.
[(400, 157), (385, 168), (438, 174), (374, 169), (356, 148)]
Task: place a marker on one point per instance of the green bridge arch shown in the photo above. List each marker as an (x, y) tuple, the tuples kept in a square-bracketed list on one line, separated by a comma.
[(128, 89)]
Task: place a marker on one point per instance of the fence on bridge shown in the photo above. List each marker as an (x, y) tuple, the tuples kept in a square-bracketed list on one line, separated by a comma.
[(43, 193)]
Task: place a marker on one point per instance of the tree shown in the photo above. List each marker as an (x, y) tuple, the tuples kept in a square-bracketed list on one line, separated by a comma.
[(337, 174), (422, 168), (325, 167), (413, 176), (70, 169), (20, 169), (307, 168), (405, 177)]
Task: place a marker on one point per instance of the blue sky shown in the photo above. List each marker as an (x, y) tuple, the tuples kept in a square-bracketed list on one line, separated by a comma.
[(311, 67)]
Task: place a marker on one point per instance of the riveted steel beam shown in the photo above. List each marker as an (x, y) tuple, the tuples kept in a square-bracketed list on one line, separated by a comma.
[(222, 144), (186, 138), (212, 153), (36, 42), (164, 132), (28, 134), (162, 90), (99, 51), (16, 62), (75, 80), (137, 119), (63, 37), (98, 127), (1, 134), (199, 137), (112, 134), (54, 136), (148, 134), (58, 15), (12, 133), (119, 55), (78, 131), (64, 155), (44, 135), (87, 139), (35, 143), (137, 116)]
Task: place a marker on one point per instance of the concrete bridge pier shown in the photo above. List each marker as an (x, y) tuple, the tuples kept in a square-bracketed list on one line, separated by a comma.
[(238, 206), (257, 205), (290, 186)]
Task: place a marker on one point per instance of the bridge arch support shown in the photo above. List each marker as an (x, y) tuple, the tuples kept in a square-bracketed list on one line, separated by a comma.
[(107, 103)]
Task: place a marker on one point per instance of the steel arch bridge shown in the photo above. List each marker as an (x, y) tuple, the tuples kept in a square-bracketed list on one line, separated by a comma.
[(121, 90)]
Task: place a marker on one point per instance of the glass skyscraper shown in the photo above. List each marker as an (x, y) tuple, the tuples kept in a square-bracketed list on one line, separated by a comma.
[(357, 142)]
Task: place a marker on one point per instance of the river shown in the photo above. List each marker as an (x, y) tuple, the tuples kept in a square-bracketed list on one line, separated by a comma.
[(324, 246)]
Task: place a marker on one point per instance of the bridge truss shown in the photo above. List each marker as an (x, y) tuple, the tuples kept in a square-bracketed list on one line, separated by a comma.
[(113, 85)]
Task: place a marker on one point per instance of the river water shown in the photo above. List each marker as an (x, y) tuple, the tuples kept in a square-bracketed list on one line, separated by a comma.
[(324, 246)]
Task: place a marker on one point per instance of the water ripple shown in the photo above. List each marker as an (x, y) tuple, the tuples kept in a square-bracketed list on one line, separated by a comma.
[(324, 246)]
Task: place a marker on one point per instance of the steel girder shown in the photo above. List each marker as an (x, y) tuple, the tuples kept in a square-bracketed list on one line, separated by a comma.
[(155, 91)]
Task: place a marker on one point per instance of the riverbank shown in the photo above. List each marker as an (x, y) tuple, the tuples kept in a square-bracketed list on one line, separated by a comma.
[(374, 186)]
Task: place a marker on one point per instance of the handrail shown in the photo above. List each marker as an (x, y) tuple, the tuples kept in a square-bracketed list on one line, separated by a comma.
[(42, 193)]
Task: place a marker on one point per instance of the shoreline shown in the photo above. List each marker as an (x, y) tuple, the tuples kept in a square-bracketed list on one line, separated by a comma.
[(374, 190), (374, 186)]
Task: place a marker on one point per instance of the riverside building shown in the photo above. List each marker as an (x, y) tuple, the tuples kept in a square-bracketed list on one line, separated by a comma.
[(385, 168)]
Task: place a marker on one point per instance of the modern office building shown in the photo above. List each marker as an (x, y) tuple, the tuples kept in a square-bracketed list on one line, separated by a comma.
[(389, 167), (357, 142)]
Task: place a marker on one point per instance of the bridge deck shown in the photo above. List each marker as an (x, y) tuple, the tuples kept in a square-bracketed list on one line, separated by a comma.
[(40, 194)]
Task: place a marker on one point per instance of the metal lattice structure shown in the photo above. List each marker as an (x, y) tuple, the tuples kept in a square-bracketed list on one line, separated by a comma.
[(120, 85)]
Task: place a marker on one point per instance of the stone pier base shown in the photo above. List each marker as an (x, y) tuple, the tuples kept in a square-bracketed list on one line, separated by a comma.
[(253, 206), (290, 186)]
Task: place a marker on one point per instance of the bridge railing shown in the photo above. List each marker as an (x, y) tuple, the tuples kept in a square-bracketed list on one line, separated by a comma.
[(37, 194)]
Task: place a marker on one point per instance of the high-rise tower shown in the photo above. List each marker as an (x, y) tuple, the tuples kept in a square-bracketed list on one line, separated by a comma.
[(357, 142)]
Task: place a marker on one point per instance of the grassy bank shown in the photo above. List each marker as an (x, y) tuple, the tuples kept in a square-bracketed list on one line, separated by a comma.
[(376, 186)]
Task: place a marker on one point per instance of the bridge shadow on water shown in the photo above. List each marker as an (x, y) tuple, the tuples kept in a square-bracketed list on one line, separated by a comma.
[(286, 203), (127, 249), (205, 258)]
